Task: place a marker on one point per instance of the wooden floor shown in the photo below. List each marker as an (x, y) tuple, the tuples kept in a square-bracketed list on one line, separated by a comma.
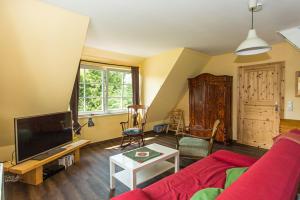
[(90, 179)]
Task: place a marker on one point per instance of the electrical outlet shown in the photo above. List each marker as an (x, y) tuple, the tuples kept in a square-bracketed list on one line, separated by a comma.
[(290, 106)]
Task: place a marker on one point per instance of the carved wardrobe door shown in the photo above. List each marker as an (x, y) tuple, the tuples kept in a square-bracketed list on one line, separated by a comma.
[(210, 99)]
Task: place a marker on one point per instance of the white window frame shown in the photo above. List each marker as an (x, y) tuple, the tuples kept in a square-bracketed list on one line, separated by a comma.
[(105, 70)]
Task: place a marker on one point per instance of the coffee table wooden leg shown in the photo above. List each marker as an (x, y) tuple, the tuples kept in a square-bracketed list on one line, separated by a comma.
[(177, 163), (133, 180), (33, 177), (112, 169)]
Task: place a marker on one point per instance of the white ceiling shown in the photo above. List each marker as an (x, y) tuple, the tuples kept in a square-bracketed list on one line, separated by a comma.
[(148, 27)]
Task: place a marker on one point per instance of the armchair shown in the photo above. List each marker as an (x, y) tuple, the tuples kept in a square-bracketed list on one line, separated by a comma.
[(191, 146)]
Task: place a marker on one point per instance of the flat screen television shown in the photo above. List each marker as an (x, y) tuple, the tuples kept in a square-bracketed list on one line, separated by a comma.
[(36, 135)]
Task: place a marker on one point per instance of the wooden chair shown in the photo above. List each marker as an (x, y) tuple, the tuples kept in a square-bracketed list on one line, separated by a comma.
[(175, 121), (133, 128), (196, 147)]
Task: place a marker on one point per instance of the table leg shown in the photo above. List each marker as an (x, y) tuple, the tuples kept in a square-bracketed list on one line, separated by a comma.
[(133, 180), (177, 163), (112, 168), (77, 156), (33, 177)]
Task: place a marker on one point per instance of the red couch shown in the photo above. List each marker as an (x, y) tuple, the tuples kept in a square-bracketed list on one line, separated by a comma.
[(275, 176)]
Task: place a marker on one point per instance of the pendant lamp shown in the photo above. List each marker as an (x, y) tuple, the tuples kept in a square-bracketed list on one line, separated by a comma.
[(253, 44)]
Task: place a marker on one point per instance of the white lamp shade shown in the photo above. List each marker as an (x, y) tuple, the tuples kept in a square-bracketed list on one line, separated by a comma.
[(252, 45)]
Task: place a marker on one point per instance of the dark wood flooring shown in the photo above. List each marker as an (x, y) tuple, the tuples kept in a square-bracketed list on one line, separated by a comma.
[(89, 180)]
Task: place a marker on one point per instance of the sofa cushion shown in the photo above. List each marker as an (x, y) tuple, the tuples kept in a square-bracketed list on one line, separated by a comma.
[(193, 147), (233, 174), (207, 194), (133, 131)]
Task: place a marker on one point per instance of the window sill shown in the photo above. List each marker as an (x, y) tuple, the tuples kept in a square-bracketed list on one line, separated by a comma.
[(87, 115)]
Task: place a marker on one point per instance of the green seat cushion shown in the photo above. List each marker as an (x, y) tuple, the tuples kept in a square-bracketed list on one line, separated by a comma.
[(207, 194), (194, 142), (233, 174), (133, 131), (189, 146)]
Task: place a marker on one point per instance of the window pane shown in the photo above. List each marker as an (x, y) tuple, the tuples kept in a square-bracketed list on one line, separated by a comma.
[(81, 105), (127, 91), (81, 90), (93, 104), (114, 103), (93, 90), (115, 84), (127, 102), (127, 78), (81, 75), (93, 76)]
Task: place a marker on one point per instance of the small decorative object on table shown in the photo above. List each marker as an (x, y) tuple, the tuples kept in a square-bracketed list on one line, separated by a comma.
[(142, 154)]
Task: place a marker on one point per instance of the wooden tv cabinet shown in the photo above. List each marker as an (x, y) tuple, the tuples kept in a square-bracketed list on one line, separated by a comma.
[(31, 171)]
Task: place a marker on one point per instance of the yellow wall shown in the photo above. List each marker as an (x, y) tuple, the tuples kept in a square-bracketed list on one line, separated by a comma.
[(170, 91), (106, 126), (40, 50), (155, 71), (98, 55), (227, 64)]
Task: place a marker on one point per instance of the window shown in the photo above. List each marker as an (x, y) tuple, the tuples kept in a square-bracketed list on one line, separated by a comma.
[(104, 90)]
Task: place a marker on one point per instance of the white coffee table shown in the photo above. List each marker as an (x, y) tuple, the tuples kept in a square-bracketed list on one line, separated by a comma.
[(134, 173)]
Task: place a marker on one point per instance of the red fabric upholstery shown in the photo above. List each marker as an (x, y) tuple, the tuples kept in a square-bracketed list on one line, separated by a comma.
[(275, 176), (136, 194), (295, 131), (208, 172), (235, 159)]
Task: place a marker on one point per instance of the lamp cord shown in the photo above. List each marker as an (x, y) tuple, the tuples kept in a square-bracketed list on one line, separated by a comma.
[(252, 18)]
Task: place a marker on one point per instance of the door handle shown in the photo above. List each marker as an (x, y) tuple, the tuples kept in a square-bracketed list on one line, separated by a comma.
[(276, 107)]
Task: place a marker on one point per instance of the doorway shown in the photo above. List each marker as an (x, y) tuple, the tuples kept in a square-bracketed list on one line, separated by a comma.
[(260, 103)]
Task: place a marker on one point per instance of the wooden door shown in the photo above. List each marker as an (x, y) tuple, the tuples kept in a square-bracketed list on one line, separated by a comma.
[(260, 88)]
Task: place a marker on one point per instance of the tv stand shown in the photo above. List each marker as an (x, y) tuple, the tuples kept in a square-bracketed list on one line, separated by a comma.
[(49, 153), (31, 171)]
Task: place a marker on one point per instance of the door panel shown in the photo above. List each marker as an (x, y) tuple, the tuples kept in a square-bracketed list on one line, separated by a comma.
[(259, 104)]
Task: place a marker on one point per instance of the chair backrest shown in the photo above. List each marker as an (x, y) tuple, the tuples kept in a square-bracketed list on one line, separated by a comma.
[(213, 135), (176, 120), (137, 116)]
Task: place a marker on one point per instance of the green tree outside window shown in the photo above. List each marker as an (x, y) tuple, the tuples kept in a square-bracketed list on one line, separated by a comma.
[(104, 90)]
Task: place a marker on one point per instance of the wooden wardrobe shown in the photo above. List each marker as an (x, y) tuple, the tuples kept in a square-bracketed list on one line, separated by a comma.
[(210, 98)]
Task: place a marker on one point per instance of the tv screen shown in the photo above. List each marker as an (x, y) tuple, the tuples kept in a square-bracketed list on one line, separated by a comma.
[(38, 134)]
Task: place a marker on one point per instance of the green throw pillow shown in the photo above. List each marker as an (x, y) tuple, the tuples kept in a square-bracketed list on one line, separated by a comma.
[(207, 194), (233, 174)]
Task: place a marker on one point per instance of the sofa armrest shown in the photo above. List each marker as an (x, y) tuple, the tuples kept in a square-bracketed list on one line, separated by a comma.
[(235, 159)]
